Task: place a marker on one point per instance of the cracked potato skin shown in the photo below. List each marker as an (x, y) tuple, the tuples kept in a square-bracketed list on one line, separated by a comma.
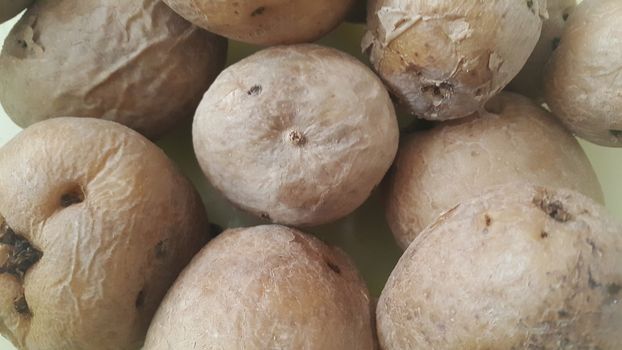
[(11, 8), (135, 62), (445, 59), (113, 222), (265, 287), (521, 267), (299, 135), (582, 82), (518, 141), (265, 22)]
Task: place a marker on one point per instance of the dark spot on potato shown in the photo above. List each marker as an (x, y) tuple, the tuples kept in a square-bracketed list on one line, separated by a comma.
[(555, 43), (544, 235), (22, 255), (333, 267), (140, 299), (255, 90), (565, 16), (487, 220), (258, 11), (563, 313), (591, 282), (265, 216), (160, 250), (21, 306), (22, 44), (296, 138), (72, 197), (613, 289), (215, 230), (553, 208)]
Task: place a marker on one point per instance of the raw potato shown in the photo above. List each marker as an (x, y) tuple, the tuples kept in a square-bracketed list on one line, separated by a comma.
[(11, 8), (95, 225), (298, 135), (583, 81), (444, 59), (439, 168), (529, 81), (135, 62), (520, 268), (265, 22), (265, 287)]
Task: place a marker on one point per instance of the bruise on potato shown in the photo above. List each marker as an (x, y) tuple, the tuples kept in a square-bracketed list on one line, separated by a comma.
[(22, 255)]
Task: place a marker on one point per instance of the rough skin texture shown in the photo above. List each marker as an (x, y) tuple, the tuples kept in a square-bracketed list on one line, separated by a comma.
[(95, 225), (265, 287), (529, 81), (583, 81), (265, 22), (444, 59), (438, 168), (135, 62), (298, 135), (523, 267), (11, 8)]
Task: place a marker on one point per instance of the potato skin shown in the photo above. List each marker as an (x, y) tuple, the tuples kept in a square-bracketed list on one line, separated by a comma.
[(108, 260), (444, 59), (438, 168), (265, 22), (298, 135), (135, 62), (529, 81), (582, 80), (11, 8), (265, 287), (522, 267)]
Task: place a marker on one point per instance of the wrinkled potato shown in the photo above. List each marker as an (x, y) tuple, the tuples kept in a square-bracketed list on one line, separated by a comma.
[(529, 81), (582, 81), (522, 267), (298, 135), (135, 62), (11, 8), (438, 168), (265, 22), (265, 287), (95, 225), (444, 59)]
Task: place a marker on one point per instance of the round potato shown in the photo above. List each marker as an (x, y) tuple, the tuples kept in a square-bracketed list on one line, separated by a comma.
[(298, 135), (529, 81), (582, 81), (522, 267), (11, 8), (265, 287), (265, 22), (95, 225), (519, 141), (135, 62), (444, 59)]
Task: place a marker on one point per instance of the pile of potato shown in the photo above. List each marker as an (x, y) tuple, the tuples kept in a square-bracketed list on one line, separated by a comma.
[(106, 245)]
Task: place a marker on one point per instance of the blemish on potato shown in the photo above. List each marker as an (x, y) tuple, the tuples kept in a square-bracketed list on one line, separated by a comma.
[(22, 254), (265, 216), (255, 90), (563, 313), (555, 43), (544, 234), (258, 11), (140, 299), (296, 138), (72, 197), (334, 267), (21, 306), (488, 220), (553, 208)]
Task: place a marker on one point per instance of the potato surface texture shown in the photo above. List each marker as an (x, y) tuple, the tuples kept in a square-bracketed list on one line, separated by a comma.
[(11, 8), (522, 267), (135, 62), (95, 225), (583, 83), (444, 59), (298, 135), (265, 22), (265, 287)]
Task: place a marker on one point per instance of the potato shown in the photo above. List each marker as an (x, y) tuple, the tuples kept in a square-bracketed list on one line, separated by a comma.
[(438, 168), (135, 62), (265, 22), (95, 225), (582, 81), (529, 81), (11, 8), (444, 59), (298, 135), (523, 267), (265, 287)]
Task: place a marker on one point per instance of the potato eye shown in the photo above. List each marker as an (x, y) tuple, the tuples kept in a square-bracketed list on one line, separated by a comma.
[(72, 197)]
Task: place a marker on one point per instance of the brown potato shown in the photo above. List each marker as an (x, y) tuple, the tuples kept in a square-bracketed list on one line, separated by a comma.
[(265, 22), (95, 225), (135, 62), (438, 168), (522, 267), (11, 8), (444, 59), (298, 135), (265, 287), (529, 81), (583, 81)]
